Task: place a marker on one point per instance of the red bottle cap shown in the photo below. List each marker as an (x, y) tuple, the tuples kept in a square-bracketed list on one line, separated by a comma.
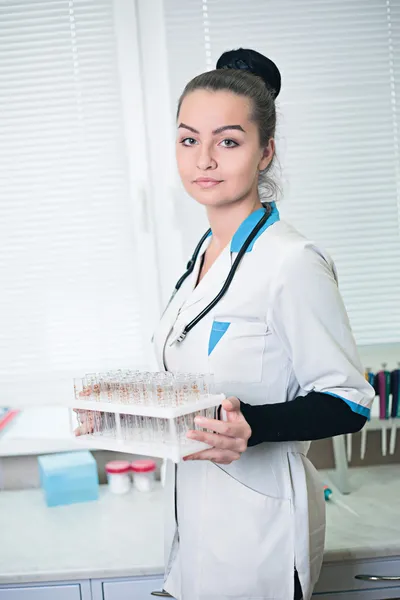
[(118, 466), (143, 466)]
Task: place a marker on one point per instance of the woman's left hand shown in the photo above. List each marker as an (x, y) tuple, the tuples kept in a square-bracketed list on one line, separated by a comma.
[(230, 438)]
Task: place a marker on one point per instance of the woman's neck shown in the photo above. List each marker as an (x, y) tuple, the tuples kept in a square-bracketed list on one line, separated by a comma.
[(225, 220)]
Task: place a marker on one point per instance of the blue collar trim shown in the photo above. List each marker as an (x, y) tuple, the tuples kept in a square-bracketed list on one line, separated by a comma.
[(248, 225)]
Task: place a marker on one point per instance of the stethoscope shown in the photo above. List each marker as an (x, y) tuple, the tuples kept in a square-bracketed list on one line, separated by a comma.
[(191, 264)]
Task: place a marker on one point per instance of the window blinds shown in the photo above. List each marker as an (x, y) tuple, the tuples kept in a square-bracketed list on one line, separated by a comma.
[(338, 132), (71, 297)]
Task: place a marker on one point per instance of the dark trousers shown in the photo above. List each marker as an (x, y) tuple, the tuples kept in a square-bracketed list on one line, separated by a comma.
[(298, 594)]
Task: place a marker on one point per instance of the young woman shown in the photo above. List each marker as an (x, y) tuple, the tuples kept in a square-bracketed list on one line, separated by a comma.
[(245, 519)]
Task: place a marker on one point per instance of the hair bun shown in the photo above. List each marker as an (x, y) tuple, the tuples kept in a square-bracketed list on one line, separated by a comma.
[(256, 63)]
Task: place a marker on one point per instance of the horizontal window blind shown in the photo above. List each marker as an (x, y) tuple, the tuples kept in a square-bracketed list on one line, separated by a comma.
[(338, 131), (71, 294)]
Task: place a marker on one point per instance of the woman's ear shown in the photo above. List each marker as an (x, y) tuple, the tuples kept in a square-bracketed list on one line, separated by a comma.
[(267, 155)]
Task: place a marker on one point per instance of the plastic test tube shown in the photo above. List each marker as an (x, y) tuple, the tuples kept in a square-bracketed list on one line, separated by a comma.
[(81, 393), (92, 386), (395, 409)]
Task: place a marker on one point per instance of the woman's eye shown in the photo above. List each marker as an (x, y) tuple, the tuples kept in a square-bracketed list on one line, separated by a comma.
[(188, 142), (229, 143)]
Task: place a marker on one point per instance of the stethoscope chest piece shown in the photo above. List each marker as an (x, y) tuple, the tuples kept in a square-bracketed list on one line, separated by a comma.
[(179, 337)]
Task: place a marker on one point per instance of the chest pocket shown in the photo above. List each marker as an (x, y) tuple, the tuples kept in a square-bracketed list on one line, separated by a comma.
[(236, 349)]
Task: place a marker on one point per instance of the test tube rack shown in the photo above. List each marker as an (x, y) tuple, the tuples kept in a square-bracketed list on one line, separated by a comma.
[(156, 425)]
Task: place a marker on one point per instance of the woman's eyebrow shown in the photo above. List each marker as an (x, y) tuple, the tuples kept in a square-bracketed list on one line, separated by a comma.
[(216, 131), (227, 127), (183, 126)]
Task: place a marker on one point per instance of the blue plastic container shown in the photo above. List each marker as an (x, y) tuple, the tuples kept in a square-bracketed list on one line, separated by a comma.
[(69, 477)]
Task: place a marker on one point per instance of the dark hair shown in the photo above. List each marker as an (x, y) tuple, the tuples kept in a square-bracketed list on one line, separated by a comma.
[(250, 74)]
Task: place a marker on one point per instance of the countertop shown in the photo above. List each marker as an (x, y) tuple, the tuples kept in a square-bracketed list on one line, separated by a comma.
[(38, 430), (365, 524), (122, 536), (115, 536), (42, 425)]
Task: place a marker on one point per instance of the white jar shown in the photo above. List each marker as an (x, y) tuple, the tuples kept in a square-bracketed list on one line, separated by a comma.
[(144, 472), (118, 475)]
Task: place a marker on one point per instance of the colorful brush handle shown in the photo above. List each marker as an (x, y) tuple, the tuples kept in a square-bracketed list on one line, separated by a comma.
[(395, 390), (382, 388), (370, 377)]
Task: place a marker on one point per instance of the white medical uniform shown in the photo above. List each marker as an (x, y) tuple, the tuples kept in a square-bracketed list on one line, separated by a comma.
[(280, 331)]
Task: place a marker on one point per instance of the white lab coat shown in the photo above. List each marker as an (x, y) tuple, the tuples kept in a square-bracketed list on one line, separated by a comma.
[(280, 331)]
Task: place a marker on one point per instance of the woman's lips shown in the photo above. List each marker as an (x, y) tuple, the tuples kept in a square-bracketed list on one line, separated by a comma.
[(206, 182)]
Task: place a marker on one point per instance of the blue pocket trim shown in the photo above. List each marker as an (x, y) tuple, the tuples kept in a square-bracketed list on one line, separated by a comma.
[(218, 329)]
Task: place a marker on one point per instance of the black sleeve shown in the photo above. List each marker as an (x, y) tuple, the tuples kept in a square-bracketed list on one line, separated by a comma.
[(312, 417)]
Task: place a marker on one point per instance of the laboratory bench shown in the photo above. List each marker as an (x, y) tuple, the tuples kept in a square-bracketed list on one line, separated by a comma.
[(112, 549)]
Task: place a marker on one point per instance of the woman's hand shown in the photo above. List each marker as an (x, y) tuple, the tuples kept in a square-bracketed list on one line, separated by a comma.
[(230, 438), (86, 417)]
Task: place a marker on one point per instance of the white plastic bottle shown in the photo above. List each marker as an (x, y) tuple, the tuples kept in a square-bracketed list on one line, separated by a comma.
[(118, 475), (143, 475)]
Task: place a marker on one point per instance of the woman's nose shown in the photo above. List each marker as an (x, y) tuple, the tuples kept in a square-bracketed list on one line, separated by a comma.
[(205, 160)]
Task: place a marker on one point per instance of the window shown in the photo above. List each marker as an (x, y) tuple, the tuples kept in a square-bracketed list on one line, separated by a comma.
[(77, 262), (338, 133)]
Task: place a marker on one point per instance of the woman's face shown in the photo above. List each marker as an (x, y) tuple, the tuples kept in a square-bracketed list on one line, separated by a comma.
[(218, 148)]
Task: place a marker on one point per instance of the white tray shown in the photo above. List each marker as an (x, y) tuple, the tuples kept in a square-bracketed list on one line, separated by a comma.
[(175, 448), (172, 451)]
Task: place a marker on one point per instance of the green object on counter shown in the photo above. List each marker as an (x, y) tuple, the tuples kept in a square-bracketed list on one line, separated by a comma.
[(327, 492)]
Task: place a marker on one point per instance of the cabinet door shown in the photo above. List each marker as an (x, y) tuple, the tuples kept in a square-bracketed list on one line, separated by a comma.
[(378, 594), (344, 576), (47, 592), (131, 589)]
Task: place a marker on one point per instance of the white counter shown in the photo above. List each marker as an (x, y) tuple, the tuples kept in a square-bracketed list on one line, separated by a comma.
[(113, 537), (38, 430), (122, 536), (374, 531), (43, 422)]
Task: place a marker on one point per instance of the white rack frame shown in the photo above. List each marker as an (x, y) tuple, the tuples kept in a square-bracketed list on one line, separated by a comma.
[(173, 450)]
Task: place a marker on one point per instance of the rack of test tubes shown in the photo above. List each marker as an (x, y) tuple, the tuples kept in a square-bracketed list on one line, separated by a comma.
[(142, 413)]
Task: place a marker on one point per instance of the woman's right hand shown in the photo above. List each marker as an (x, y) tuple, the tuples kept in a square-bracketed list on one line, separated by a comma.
[(87, 419), (87, 422)]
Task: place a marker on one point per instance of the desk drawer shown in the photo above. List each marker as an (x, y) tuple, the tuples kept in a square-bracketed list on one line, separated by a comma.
[(341, 576), (393, 594), (131, 589), (46, 592)]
